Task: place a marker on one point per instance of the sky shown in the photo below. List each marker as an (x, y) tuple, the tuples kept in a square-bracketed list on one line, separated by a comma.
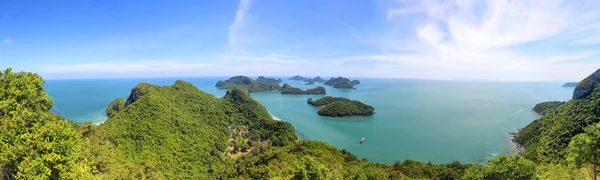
[(511, 40)]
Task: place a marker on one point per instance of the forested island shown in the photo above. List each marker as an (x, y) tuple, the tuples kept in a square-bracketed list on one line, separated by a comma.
[(309, 82), (341, 107), (298, 78), (318, 79), (248, 84), (542, 108), (181, 132), (341, 83), (287, 89), (269, 80), (570, 84)]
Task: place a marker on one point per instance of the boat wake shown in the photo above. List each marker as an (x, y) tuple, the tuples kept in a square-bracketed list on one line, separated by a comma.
[(517, 112)]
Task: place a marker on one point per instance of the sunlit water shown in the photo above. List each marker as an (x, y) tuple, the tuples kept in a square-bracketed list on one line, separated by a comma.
[(425, 120)]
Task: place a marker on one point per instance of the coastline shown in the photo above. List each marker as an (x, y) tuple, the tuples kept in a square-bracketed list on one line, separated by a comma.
[(538, 114), (274, 117)]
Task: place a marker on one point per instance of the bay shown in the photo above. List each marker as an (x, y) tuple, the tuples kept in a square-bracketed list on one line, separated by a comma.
[(425, 120)]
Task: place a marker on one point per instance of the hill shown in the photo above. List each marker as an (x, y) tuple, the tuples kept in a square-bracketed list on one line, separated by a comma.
[(269, 80), (298, 78), (309, 82), (341, 107), (287, 89), (248, 84), (318, 79), (340, 82), (547, 138)]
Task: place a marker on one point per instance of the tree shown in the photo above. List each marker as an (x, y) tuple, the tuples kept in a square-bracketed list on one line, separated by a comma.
[(35, 143), (584, 150), (503, 167)]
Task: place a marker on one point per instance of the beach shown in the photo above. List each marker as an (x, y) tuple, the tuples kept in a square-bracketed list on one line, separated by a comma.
[(274, 117)]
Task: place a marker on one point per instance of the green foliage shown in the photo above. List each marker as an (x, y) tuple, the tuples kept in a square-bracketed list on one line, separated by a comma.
[(503, 167), (340, 82), (248, 84), (547, 138), (341, 107), (287, 89), (584, 150), (545, 107), (115, 106), (268, 80), (558, 172), (179, 131), (34, 143)]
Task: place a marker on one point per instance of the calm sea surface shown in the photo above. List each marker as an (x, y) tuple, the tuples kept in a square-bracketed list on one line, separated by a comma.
[(425, 120)]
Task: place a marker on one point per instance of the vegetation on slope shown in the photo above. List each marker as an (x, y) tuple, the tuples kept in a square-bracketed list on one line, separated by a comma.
[(179, 132), (546, 139), (35, 143), (341, 107), (545, 107), (340, 82), (115, 106), (287, 89), (269, 80), (248, 84)]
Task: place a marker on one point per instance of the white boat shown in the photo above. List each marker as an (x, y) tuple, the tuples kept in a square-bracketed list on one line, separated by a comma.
[(362, 140)]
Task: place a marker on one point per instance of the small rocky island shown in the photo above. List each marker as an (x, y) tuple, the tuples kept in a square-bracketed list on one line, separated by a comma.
[(287, 89), (318, 79), (247, 83), (341, 107), (341, 83)]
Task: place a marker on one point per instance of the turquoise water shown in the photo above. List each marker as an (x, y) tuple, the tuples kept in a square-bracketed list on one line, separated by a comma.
[(425, 120)]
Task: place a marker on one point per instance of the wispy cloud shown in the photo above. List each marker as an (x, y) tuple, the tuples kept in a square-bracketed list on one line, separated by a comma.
[(238, 22), (492, 39), (127, 67), (7, 41)]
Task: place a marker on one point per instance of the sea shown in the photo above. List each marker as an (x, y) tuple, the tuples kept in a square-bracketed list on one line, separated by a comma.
[(427, 120)]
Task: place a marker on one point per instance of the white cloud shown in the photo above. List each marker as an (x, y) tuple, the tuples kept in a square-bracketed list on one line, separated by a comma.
[(493, 39), (570, 57), (238, 22), (126, 67), (7, 41)]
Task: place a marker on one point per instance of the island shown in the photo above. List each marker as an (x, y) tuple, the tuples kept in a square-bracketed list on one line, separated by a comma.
[(248, 84), (355, 82), (340, 83), (297, 78), (570, 84), (309, 82), (542, 108), (287, 89), (269, 80), (341, 107), (319, 79)]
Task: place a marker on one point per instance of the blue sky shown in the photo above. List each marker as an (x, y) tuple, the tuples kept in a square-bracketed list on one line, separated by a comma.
[(451, 39)]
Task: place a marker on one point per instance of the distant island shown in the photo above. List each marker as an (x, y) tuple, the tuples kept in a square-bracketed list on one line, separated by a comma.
[(269, 80), (248, 84), (319, 79), (570, 84), (341, 83), (261, 84), (341, 107), (309, 82), (297, 78), (287, 89)]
